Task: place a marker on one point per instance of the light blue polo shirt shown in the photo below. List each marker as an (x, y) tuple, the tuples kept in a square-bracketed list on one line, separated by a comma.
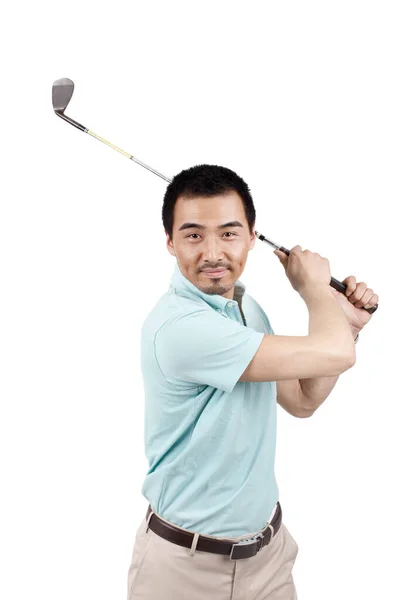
[(209, 439)]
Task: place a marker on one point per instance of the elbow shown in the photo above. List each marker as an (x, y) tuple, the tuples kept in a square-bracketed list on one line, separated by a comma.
[(304, 413), (344, 363), (350, 360)]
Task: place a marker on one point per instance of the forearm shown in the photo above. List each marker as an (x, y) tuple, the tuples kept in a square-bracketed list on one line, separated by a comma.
[(314, 391)]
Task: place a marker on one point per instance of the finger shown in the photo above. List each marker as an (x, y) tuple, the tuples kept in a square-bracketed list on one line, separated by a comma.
[(372, 301), (281, 255), (358, 292), (365, 298), (350, 283)]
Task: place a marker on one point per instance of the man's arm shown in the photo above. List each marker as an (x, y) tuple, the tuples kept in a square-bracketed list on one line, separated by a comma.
[(289, 396), (313, 392), (302, 397)]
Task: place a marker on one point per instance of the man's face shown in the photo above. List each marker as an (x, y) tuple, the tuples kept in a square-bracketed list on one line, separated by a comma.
[(203, 241)]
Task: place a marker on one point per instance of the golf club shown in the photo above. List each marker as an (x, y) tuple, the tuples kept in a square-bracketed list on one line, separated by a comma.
[(62, 93)]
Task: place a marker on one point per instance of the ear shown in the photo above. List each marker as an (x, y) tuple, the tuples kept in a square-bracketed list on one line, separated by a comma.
[(253, 238), (170, 245)]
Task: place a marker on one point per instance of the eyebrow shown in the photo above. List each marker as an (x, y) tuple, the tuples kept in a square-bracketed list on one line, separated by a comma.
[(197, 226)]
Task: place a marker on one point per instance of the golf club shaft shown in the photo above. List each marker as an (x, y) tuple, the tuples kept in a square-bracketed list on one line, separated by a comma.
[(98, 137), (139, 162), (61, 95)]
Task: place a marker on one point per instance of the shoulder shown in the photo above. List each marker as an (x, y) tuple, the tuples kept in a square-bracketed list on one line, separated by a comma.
[(172, 309)]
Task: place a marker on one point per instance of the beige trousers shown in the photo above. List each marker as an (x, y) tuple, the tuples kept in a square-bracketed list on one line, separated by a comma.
[(161, 570)]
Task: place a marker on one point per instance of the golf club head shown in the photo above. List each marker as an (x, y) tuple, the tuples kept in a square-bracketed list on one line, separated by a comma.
[(62, 94)]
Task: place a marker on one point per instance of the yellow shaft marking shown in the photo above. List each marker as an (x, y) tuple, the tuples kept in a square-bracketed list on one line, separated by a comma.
[(109, 143)]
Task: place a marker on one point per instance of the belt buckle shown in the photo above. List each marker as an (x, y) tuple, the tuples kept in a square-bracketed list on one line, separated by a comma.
[(255, 541)]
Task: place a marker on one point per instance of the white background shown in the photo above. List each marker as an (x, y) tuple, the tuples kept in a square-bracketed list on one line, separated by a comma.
[(302, 100)]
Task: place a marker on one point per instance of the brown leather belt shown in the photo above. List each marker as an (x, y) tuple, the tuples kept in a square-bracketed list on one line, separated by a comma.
[(242, 549)]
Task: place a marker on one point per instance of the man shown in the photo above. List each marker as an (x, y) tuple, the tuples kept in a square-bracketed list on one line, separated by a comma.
[(213, 373)]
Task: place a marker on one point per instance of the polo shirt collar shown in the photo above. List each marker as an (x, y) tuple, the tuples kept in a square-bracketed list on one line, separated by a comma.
[(182, 285)]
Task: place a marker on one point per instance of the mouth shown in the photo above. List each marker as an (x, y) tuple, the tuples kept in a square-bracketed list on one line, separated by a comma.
[(216, 273)]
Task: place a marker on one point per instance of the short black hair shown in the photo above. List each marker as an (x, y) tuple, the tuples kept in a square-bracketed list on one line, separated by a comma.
[(205, 180)]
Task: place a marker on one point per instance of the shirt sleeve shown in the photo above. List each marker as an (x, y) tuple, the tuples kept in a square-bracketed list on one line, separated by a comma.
[(205, 348)]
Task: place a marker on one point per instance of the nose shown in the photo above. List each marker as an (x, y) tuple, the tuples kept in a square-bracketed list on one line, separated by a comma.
[(212, 251)]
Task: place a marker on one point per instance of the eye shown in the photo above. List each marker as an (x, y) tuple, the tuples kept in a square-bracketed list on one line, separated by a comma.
[(231, 233)]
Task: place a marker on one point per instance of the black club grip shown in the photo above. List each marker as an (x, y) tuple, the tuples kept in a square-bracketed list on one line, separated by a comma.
[(335, 283)]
